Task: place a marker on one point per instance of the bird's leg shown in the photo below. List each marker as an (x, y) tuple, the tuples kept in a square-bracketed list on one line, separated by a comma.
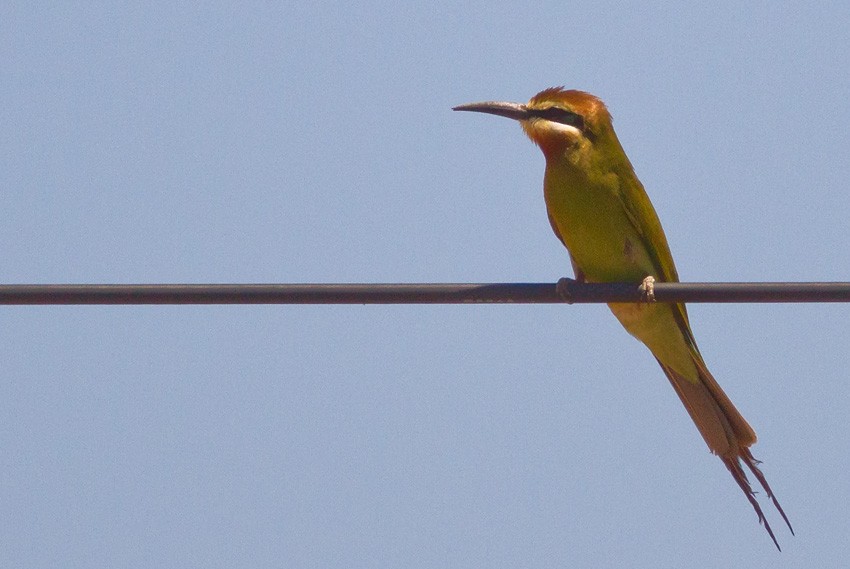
[(647, 289)]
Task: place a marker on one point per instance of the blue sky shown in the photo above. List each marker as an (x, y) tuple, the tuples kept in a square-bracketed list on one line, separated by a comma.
[(314, 142)]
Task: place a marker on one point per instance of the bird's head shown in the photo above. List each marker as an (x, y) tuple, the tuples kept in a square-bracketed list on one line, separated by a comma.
[(558, 120)]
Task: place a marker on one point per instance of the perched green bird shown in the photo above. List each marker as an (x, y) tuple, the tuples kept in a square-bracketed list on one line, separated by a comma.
[(600, 211)]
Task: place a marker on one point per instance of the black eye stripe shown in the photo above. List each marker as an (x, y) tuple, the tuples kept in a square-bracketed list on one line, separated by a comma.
[(563, 116)]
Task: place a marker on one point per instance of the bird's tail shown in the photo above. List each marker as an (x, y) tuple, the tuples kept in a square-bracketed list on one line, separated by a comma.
[(726, 432)]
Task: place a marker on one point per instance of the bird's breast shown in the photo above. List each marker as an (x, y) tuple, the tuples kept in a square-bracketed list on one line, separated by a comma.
[(591, 220)]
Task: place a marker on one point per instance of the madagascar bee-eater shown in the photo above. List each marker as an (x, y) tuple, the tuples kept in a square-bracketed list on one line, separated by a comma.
[(599, 210)]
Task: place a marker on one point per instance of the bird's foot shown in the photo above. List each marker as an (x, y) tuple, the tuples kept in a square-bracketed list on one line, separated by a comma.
[(647, 290), (563, 289)]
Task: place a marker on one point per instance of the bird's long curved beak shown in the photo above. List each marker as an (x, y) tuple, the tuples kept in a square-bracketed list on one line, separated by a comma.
[(514, 111)]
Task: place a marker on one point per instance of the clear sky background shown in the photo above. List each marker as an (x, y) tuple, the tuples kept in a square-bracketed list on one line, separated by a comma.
[(314, 142)]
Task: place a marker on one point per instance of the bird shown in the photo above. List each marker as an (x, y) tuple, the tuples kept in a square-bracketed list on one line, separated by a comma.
[(601, 213)]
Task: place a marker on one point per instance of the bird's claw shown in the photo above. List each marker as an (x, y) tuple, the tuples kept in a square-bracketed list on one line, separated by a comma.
[(563, 289), (647, 290)]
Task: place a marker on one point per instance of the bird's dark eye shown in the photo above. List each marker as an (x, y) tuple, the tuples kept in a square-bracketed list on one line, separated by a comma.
[(563, 116)]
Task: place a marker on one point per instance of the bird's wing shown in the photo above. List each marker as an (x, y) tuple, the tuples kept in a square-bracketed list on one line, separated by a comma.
[(645, 221)]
